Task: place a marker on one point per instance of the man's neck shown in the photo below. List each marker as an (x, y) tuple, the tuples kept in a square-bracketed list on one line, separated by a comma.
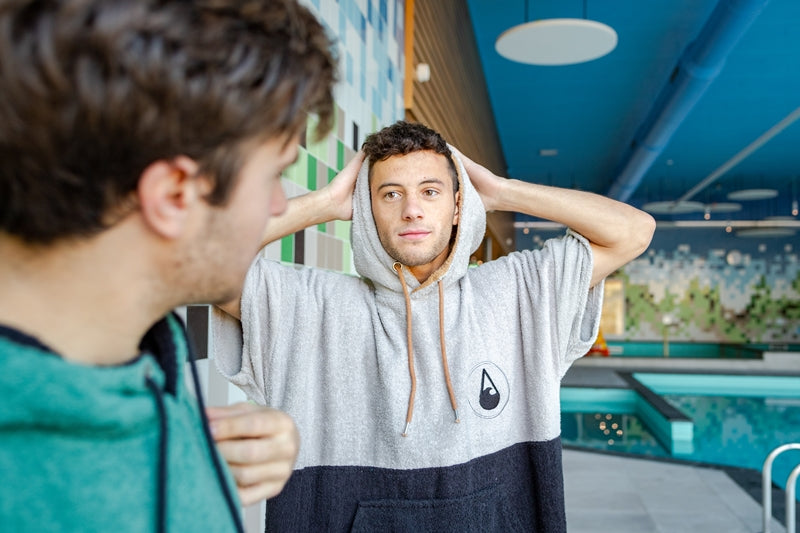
[(76, 298), (423, 272)]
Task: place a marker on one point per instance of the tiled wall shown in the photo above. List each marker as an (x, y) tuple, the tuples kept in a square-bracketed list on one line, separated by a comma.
[(715, 287), (712, 286)]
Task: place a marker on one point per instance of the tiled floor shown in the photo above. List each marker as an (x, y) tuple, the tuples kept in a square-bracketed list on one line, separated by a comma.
[(606, 493), (620, 494)]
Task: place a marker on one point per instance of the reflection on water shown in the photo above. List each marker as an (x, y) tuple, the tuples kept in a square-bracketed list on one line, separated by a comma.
[(609, 431)]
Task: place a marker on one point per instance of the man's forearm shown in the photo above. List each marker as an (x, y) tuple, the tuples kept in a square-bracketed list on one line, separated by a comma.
[(602, 220), (617, 231), (301, 212)]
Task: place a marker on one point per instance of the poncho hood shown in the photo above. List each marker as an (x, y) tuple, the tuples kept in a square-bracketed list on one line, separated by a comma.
[(374, 263)]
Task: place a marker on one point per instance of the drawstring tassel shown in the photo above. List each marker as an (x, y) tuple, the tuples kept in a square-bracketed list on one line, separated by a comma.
[(409, 342), (446, 367), (161, 490)]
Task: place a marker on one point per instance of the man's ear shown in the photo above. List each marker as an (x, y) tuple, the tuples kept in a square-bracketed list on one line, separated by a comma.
[(457, 210), (167, 191)]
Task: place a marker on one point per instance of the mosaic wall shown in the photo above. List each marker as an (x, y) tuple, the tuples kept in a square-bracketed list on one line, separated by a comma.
[(708, 286), (369, 42), (711, 287)]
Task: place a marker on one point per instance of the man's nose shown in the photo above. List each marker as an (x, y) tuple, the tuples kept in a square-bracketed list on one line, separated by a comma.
[(412, 209)]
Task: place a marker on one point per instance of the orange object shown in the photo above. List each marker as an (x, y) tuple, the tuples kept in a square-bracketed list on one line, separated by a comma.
[(599, 347)]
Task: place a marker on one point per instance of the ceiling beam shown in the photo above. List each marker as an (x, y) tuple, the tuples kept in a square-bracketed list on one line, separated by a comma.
[(697, 67)]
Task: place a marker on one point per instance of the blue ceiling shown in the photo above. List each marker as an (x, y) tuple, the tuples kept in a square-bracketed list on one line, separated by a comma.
[(653, 119)]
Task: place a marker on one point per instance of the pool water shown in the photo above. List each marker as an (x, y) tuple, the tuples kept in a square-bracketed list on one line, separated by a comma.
[(741, 431), (728, 430)]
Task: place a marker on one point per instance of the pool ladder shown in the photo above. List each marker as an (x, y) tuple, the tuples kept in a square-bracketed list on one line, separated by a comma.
[(766, 487)]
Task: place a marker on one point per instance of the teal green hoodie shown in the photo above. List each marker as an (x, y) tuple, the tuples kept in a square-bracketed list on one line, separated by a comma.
[(118, 448)]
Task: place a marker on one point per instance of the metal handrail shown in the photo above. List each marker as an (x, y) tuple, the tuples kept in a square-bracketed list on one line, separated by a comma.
[(766, 485), (790, 503)]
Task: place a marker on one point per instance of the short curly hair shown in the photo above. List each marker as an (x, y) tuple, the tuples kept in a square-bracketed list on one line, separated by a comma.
[(402, 138), (93, 91)]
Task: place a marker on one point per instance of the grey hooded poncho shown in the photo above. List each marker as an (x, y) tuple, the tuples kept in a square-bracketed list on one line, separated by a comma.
[(491, 342)]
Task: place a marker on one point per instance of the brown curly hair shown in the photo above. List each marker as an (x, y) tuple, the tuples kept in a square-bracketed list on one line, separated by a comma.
[(402, 138), (93, 91)]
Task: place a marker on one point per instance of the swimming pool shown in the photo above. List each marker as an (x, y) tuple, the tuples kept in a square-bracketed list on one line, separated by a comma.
[(730, 420)]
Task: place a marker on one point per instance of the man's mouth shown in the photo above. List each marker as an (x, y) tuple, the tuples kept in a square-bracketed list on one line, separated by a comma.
[(414, 234)]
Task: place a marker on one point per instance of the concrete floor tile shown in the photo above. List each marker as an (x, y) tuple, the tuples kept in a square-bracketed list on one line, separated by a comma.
[(610, 522), (608, 493)]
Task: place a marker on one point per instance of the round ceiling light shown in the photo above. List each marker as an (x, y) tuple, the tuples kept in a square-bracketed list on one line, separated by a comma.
[(752, 194), (674, 208), (556, 41)]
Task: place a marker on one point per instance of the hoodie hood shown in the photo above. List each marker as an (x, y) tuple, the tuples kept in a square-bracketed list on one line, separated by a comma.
[(74, 418), (46, 391), (372, 261)]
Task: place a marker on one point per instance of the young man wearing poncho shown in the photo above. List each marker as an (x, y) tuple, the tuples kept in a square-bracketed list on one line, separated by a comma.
[(426, 393)]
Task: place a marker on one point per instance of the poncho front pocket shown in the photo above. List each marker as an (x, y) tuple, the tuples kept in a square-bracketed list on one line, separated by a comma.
[(485, 510)]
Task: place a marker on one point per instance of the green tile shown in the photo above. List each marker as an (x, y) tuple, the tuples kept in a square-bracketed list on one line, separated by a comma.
[(317, 147), (313, 148), (343, 229), (290, 172), (311, 173), (298, 171), (331, 174), (311, 127), (339, 155), (321, 227), (346, 267), (287, 249)]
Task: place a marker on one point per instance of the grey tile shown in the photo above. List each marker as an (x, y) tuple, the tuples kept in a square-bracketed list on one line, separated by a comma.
[(627, 495), (608, 522), (703, 522)]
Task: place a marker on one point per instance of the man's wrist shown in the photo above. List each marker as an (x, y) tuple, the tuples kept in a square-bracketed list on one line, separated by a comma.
[(503, 192), (321, 206)]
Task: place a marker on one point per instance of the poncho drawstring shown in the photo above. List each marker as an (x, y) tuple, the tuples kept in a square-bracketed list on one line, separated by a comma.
[(410, 343)]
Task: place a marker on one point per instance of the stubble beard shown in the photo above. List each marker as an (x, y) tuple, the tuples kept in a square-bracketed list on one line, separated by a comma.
[(209, 266), (414, 258)]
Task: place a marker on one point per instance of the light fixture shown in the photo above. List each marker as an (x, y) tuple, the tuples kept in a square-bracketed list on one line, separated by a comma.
[(557, 41), (723, 207), (765, 232), (423, 72), (752, 194), (673, 208)]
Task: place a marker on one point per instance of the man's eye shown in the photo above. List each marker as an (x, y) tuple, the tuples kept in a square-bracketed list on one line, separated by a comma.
[(430, 192), (391, 195)]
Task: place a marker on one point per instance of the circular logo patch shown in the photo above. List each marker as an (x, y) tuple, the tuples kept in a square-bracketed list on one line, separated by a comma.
[(488, 389)]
